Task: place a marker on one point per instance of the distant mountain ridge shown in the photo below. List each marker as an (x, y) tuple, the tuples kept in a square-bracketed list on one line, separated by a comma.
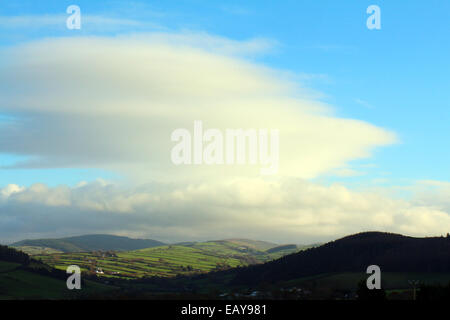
[(253, 244), (282, 247), (93, 242)]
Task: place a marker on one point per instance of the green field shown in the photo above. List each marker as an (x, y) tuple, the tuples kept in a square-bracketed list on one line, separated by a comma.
[(16, 283), (8, 266), (34, 250), (165, 261)]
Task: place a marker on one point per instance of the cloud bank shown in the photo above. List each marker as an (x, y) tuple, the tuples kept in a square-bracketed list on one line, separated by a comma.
[(294, 211)]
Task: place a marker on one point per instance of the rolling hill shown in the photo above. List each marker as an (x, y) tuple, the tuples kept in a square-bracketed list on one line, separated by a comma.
[(169, 260), (392, 252), (282, 248), (252, 244), (22, 277), (86, 243)]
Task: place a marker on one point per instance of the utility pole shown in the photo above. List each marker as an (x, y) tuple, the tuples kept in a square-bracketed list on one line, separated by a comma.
[(414, 284)]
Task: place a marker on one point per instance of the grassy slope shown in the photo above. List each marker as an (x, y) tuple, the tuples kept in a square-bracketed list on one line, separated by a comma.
[(16, 283), (253, 244), (34, 250)]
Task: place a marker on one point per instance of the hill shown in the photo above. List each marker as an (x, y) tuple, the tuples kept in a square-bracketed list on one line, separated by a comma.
[(253, 244), (22, 277), (86, 243), (392, 252), (166, 261), (282, 248)]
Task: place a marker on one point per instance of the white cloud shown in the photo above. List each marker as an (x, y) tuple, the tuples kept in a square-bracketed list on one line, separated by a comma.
[(348, 172), (113, 103), (363, 103), (10, 189), (285, 211), (432, 193)]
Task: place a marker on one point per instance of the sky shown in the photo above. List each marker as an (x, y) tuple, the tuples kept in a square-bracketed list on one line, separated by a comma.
[(86, 117)]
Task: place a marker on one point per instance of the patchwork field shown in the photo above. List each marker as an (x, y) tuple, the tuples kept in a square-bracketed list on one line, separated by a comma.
[(166, 261)]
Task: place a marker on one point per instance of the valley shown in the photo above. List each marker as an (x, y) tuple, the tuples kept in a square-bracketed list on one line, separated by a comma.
[(161, 261)]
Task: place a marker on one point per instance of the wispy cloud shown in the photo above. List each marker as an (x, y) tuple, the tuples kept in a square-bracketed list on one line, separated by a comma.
[(236, 10), (98, 22), (339, 48), (363, 103)]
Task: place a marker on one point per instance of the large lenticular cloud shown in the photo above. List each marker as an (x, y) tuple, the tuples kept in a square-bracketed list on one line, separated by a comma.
[(113, 102)]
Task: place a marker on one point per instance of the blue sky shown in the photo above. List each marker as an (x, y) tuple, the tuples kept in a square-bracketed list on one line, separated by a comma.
[(395, 77)]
